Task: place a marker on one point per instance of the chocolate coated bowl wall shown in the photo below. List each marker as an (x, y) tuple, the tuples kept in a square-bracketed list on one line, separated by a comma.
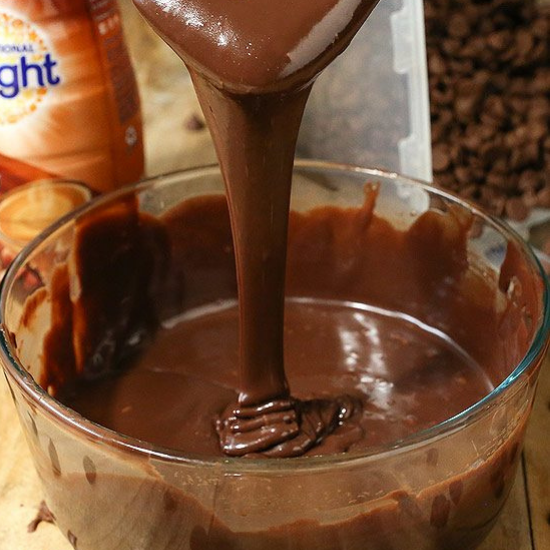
[(157, 270), (440, 491)]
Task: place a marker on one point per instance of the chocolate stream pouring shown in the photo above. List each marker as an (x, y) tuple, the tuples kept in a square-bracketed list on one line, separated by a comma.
[(253, 65)]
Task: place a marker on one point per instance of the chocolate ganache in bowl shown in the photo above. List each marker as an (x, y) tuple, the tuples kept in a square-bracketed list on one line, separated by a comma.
[(426, 318)]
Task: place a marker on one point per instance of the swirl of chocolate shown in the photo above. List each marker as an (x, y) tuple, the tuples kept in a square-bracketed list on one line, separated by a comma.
[(283, 428)]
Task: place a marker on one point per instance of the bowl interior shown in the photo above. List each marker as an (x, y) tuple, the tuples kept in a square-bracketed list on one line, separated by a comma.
[(499, 277)]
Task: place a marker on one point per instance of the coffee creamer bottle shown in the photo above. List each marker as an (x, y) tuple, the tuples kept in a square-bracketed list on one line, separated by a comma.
[(68, 97), (69, 106)]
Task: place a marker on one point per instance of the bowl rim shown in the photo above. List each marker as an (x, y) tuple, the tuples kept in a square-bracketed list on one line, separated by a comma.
[(114, 440)]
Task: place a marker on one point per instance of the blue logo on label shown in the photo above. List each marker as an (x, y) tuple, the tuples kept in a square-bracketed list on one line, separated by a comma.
[(28, 68), (25, 74)]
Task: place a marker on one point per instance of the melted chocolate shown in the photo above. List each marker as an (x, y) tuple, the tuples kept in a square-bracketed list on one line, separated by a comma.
[(402, 377), (172, 348), (253, 64), (258, 47), (340, 339)]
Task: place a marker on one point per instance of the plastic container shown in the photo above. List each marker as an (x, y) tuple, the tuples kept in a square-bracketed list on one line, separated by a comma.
[(371, 106), (69, 105), (441, 488)]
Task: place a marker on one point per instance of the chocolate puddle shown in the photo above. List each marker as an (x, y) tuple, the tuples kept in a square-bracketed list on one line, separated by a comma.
[(172, 348)]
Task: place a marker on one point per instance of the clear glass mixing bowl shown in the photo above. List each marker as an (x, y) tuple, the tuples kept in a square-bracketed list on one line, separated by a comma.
[(442, 488)]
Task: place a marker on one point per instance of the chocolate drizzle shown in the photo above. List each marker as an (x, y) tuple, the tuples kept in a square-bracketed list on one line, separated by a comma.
[(282, 428), (253, 65)]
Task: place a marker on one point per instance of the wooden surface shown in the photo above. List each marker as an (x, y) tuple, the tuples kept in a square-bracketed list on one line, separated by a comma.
[(537, 465), (168, 104)]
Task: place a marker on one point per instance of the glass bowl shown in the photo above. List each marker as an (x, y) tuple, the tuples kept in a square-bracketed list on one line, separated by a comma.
[(28, 209), (442, 487)]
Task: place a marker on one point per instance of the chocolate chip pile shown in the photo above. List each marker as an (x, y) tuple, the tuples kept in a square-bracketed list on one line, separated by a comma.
[(489, 75)]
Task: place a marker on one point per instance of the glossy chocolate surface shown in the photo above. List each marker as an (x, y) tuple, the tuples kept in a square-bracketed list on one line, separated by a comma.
[(163, 366)]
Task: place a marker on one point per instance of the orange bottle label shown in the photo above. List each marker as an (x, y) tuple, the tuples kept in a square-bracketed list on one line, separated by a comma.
[(14, 173), (69, 104)]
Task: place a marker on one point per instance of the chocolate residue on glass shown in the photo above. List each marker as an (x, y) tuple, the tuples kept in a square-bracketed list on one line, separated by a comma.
[(43, 515), (253, 65), (451, 515)]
